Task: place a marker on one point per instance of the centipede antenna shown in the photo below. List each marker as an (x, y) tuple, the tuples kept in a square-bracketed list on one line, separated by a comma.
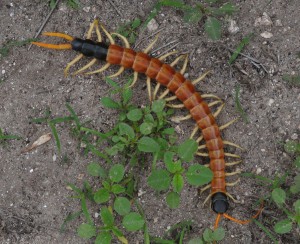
[(135, 77), (233, 163), (178, 119), (123, 38), (217, 221), (200, 78), (91, 63), (118, 73), (194, 132), (148, 82), (75, 60), (232, 144), (218, 111), (99, 70), (111, 40), (233, 173), (175, 105), (155, 90), (232, 155), (165, 93), (227, 124), (167, 55), (147, 49), (184, 64)]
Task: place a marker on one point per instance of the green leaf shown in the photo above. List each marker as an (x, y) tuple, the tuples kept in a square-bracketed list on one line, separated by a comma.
[(136, 23), (111, 82), (95, 169), (297, 162), (213, 28), (208, 235), (158, 106), (240, 47), (292, 147), (147, 144), (103, 238), (126, 129), (127, 95), (173, 200), (172, 166), (69, 218), (135, 114), (106, 216), (278, 196), (187, 149), (227, 8), (109, 103), (177, 183), (192, 15), (101, 196), (116, 173), (149, 118), (283, 226), (122, 205), (219, 234), (159, 180), (198, 175), (117, 189), (172, 3), (168, 131), (297, 207), (196, 241), (146, 128), (296, 187), (86, 231), (133, 222)]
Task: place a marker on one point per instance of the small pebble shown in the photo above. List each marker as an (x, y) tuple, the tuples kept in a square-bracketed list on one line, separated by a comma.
[(3, 72), (278, 23), (263, 150), (86, 9), (54, 157), (294, 136), (265, 20), (96, 215), (152, 25), (266, 35), (258, 171), (31, 170), (233, 28), (271, 101)]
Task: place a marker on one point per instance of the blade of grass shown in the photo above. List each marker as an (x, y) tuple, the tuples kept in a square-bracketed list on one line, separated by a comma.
[(85, 211), (68, 219), (240, 47), (55, 134), (268, 233), (239, 106)]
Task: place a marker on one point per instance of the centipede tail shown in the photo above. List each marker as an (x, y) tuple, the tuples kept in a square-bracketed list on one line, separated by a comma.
[(183, 89)]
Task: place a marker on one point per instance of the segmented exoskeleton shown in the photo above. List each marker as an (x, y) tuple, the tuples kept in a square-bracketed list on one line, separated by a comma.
[(174, 81)]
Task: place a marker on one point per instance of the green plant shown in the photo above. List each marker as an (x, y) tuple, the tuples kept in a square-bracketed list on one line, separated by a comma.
[(292, 79), (75, 4), (205, 10), (284, 196), (245, 41), (209, 236), (128, 30), (4, 50), (238, 105), (5, 137)]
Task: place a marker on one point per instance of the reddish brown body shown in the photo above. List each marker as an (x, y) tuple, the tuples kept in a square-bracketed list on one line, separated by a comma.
[(185, 92)]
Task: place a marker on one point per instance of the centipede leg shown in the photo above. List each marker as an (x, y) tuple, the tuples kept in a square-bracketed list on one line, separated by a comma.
[(206, 199), (233, 173), (205, 188), (148, 48), (232, 144), (233, 183), (74, 61), (217, 221), (148, 82), (233, 163), (232, 155), (194, 132), (135, 77), (227, 124), (230, 196), (178, 119)]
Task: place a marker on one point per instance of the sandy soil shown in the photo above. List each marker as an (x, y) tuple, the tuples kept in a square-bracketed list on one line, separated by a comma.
[(33, 197)]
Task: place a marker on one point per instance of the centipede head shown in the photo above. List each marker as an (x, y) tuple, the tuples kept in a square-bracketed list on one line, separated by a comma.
[(61, 46), (219, 203)]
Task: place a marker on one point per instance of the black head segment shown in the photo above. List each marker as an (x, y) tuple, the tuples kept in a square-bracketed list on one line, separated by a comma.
[(219, 203)]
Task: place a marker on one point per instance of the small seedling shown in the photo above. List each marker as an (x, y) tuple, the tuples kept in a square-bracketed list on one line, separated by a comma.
[(71, 3), (239, 48), (129, 29), (193, 14), (4, 50), (238, 105), (5, 137)]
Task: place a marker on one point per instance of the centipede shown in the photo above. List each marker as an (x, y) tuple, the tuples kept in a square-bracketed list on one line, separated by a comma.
[(175, 83)]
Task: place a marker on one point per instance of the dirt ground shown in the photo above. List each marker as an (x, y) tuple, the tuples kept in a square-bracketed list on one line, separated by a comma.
[(34, 199)]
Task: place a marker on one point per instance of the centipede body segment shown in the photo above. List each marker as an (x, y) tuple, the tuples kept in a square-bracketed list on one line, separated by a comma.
[(174, 81)]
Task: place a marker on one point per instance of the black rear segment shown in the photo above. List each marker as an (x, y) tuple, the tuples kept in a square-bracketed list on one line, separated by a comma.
[(219, 202), (90, 48)]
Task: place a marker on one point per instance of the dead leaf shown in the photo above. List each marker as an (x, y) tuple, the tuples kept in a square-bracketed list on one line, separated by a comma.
[(42, 140)]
